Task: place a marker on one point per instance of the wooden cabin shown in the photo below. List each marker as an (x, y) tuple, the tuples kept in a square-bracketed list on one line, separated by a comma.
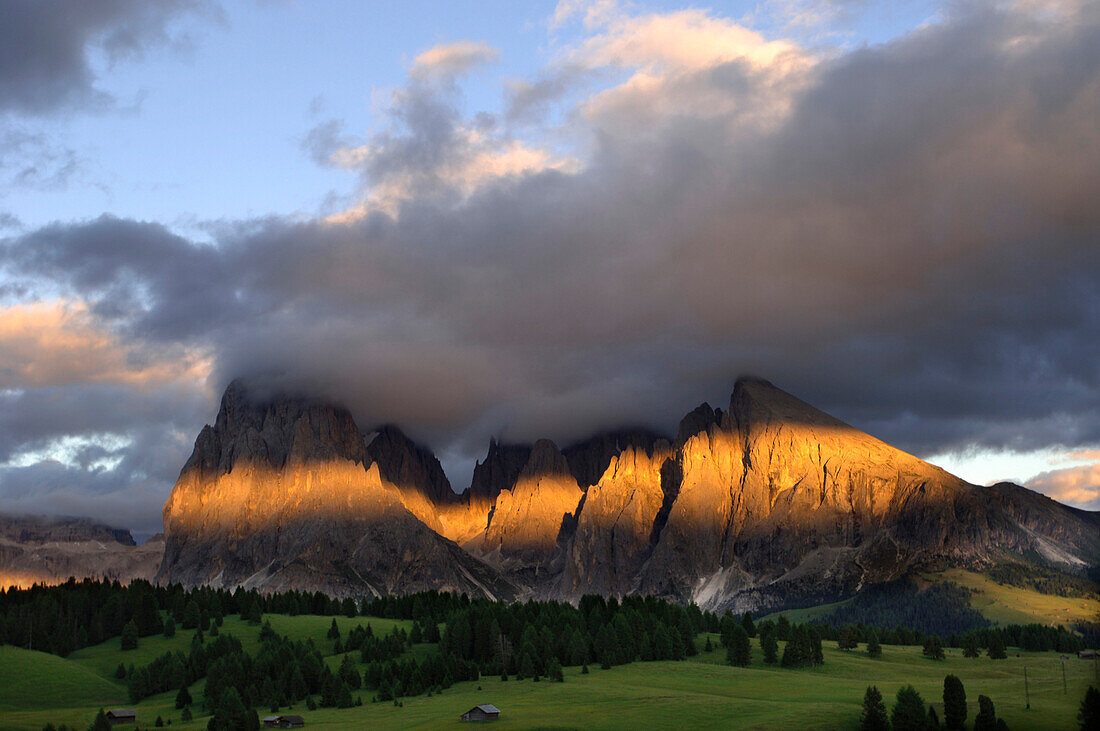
[(483, 712), (283, 721), (117, 716)]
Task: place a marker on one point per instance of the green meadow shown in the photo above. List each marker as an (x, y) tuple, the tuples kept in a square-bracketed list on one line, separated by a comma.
[(702, 692)]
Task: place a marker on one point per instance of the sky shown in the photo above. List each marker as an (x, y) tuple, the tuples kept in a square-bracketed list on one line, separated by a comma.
[(517, 220)]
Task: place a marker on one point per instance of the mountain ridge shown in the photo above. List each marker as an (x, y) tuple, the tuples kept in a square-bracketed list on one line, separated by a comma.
[(767, 501)]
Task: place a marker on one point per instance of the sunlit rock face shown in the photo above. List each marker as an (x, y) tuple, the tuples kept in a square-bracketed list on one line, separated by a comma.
[(526, 520), (36, 550), (780, 502), (767, 503), (617, 524), (284, 494)]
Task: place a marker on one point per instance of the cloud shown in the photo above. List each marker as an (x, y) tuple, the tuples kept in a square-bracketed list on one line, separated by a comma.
[(58, 342), (448, 60), (1079, 486), (903, 234), (46, 48)]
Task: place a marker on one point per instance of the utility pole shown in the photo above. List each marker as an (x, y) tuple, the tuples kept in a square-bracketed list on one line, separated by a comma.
[(1064, 691), (1027, 693)]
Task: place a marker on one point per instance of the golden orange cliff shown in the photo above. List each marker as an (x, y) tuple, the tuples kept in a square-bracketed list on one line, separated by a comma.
[(766, 502)]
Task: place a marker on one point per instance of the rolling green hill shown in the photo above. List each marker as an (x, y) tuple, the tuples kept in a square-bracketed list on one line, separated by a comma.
[(700, 693)]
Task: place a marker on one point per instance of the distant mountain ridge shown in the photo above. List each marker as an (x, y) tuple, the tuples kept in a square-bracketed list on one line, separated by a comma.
[(765, 503), (42, 550)]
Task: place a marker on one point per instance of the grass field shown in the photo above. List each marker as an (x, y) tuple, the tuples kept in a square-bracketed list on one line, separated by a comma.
[(1016, 605), (703, 692)]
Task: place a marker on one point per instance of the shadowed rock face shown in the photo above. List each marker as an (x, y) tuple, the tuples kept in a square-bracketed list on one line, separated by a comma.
[(36, 550), (768, 502)]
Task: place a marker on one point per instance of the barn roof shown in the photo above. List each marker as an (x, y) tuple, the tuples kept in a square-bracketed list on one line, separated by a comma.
[(122, 713), (489, 708)]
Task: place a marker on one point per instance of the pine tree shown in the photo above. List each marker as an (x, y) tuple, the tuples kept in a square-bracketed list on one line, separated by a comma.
[(120, 671), (996, 647), (343, 697), (725, 627), (100, 723), (817, 655), (186, 715), (333, 631), (954, 703), (191, 615), (169, 627), (770, 645), (874, 712), (183, 698), (846, 640), (554, 671), (130, 636), (986, 720), (933, 648), (748, 625), (933, 720), (970, 646), (739, 652), (708, 647), (1089, 714), (908, 713), (874, 649)]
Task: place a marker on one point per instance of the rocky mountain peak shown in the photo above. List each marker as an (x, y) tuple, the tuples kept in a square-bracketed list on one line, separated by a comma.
[(408, 464), (546, 459), (590, 458), (499, 470), (698, 419)]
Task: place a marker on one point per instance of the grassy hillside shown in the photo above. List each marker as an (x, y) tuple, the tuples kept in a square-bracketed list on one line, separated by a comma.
[(1017, 605), (700, 693)]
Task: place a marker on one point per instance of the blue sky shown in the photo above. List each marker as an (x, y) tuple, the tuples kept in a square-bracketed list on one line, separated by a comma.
[(210, 126), (542, 219)]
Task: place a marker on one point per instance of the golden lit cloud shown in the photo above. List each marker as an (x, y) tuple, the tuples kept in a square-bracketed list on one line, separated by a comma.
[(452, 58), (1074, 485), (52, 342)]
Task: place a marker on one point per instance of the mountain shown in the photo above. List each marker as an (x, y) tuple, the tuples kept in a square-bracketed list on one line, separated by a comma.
[(284, 493), (38, 550), (769, 502)]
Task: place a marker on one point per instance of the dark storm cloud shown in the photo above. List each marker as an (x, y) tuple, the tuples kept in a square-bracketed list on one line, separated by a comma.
[(905, 235), (45, 47)]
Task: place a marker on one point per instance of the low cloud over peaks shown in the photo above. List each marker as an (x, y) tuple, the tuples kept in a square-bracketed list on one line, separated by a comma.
[(903, 234)]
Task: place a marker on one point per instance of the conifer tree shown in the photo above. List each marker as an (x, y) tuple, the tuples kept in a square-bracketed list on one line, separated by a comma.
[(130, 636), (908, 713), (933, 648), (986, 720), (954, 703), (169, 627), (191, 615), (874, 649), (770, 645), (970, 646), (817, 655), (1089, 713), (739, 652), (874, 716), (100, 723), (183, 698), (333, 631), (748, 624), (933, 720), (996, 647)]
